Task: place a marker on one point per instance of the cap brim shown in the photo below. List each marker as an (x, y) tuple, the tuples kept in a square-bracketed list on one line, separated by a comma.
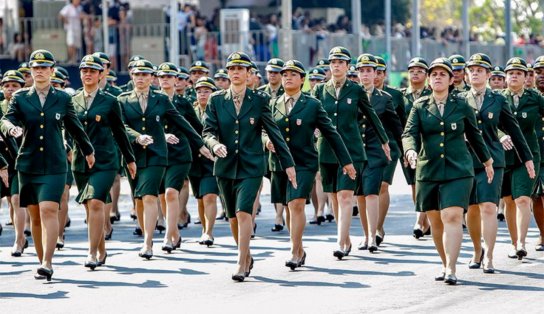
[(515, 67), (199, 68), (457, 67), (482, 64), (91, 66), (339, 57), (273, 68), (316, 77), (141, 70), (418, 65), (244, 64), (167, 73), (44, 63), (294, 69), (439, 65)]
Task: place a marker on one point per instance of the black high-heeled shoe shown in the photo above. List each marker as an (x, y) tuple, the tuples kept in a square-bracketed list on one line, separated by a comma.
[(302, 260), (160, 227), (320, 220), (137, 232), (339, 254), (355, 211), (102, 262), (26, 244), (238, 277), (177, 245), (167, 248), (277, 228), (329, 217), (450, 279), (521, 253), (372, 248), (118, 216), (379, 240), (440, 277), (346, 252), (47, 273), (27, 232), (108, 236), (60, 245), (291, 264), (418, 233), (500, 216), (91, 264), (208, 242), (254, 231), (362, 246), (133, 215), (112, 219), (477, 265), (68, 223), (428, 232), (16, 252), (148, 254), (1, 229)]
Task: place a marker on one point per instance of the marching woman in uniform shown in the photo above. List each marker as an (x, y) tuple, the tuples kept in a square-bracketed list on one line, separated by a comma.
[(492, 110), (100, 114), (179, 156), (434, 144), (12, 81), (345, 103), (538, 197), (297, 116), (205, 185), (518, 185), (233, 128), (39, 114), (145, 111), (367, 196)]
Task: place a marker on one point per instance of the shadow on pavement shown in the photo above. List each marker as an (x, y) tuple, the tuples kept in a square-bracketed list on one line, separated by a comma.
[(53, 295), (287, 283)]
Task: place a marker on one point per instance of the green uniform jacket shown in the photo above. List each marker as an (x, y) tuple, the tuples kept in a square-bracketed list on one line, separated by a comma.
[(346, 114), (181, 152), (151, 122), (540, 136), (202, 166), (42, 149), (440, 140), (528, 113), (114, 90), (298, 129), (266, 88), (383, 105), (495, 114), (241, 134), (398, 102), (102, 120), (409, 97), (190, 94), (8, 145)]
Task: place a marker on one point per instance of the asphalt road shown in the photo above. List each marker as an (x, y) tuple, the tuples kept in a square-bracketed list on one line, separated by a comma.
[(196, 279)]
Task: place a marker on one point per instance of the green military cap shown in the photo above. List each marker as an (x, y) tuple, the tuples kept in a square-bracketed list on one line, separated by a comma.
[(183, 73), (58, 77), (457, 62), (112, 76), (339, 53), (91, 62), (259, 75), (155, 69), (103, 57), (324, 64), (498, 71), (142, 66), (418, 62), (206, 82), (294, 65), (530, 67), (13, 76), (24, 68), (539, 63), (352, 71), (221, 73), (480, 59), (41, 58), (133, 59), (516, 64), (199, 66), (381, 64), (366, 60), (167, 68), (443, 63), (274, 65), (254, 67), (316, 74), (63, 71), (239, 59)]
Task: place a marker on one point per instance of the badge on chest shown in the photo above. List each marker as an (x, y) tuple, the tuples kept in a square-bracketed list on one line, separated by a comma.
[(524, 115), (57, 116), (454, 126), (252, 121), (98, 118), (349, 101), (299, 121), (490, 115), (158, 118)]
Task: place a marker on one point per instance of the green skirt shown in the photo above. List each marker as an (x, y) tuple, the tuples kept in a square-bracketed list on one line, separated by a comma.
[(335, 180), (34, 189), (516, 182), (484, 192), (95, 185), (282, 192), (174, 176), (147, 181), (389, 171), (238, 195), (437, 195), (13, 188), (372, 181)]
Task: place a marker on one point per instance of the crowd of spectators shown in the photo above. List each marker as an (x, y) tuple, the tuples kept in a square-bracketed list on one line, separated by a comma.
[(199, 33)]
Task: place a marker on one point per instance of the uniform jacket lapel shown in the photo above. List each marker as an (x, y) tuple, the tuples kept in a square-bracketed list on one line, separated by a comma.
[(33, 98), (345, 89), (79, 100), (247, 103), (488, 100), (134, 102), (51, 98), (229, 104), (433, 109), (329, 87), (299, 105), (151, 102), (279, 106), (449, 107)]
